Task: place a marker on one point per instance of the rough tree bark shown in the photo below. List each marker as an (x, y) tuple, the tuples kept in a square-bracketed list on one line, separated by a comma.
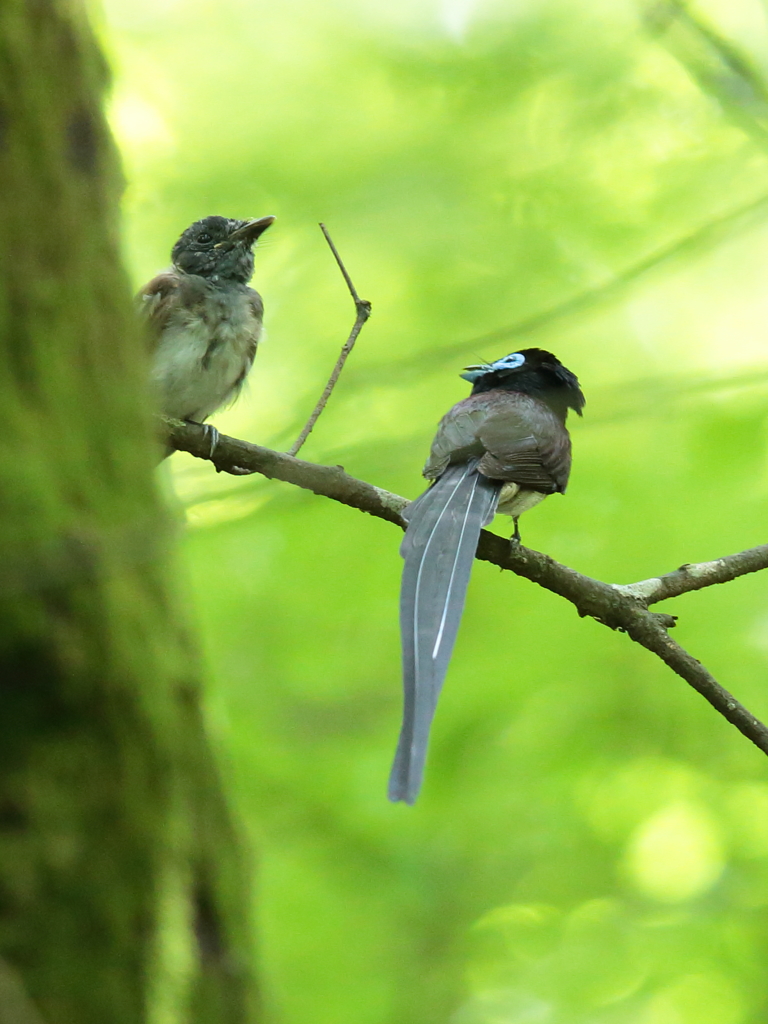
[(122, 884)]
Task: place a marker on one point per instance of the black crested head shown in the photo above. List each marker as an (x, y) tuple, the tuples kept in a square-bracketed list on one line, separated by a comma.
[(533, 371), (219, 248)]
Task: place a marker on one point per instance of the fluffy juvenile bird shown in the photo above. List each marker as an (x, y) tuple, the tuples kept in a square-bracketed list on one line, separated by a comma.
[(203, 319), (503, 449)]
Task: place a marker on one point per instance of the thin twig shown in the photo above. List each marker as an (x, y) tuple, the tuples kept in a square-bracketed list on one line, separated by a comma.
[(363, 311), (621, 607), (352, 290)]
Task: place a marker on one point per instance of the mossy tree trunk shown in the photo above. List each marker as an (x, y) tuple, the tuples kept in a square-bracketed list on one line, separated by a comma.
[(116, 848)]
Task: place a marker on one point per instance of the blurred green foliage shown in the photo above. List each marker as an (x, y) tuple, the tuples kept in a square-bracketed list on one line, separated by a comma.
[(591, 846)]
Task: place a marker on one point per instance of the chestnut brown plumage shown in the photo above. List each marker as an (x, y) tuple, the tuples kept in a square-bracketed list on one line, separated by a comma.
[(503, 449)]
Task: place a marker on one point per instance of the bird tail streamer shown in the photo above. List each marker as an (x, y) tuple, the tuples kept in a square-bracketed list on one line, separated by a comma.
[(439, 548)]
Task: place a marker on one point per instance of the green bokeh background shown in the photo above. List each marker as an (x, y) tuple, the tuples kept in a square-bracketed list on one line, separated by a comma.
[(590, 176)]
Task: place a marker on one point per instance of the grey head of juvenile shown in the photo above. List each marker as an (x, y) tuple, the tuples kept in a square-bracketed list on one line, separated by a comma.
[(219, 248)]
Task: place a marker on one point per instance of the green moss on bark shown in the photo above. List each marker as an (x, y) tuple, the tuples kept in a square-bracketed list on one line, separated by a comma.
[(105, 772)]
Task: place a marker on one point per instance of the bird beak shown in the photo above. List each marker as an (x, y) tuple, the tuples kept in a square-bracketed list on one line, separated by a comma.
[(471, 373), (248, 233)]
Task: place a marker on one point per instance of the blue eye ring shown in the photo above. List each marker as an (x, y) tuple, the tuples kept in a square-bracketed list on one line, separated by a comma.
[(511, 362)]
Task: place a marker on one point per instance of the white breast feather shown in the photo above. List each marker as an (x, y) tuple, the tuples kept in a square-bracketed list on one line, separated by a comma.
[(190, 385)]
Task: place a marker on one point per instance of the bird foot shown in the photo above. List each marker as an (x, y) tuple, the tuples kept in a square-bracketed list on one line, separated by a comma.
[(213, 437), (515, 540)]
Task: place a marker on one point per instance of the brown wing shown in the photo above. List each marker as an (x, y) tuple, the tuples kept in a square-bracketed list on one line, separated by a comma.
[(457, 438), (517, 436), (157, 302), (525, 442), (167, 296)]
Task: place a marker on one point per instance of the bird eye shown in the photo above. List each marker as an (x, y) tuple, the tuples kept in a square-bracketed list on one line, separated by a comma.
[(204, 237), (510, 362)]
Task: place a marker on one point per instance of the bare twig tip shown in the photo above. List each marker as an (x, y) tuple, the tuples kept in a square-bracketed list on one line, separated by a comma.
[(362, 311)]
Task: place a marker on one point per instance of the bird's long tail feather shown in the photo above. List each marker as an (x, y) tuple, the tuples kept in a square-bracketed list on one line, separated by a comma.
[(439, 547)]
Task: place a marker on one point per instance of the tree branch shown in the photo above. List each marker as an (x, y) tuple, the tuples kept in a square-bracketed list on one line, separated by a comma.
[(232, 454), (620, 607), (363, 309), (698, 575)]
